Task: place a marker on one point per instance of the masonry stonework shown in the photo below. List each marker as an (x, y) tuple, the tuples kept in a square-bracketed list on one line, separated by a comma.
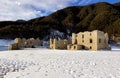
[(95, 40), (20, 43), (58, 44)]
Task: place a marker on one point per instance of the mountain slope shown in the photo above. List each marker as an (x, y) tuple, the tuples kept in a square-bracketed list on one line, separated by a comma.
[(102, 16)]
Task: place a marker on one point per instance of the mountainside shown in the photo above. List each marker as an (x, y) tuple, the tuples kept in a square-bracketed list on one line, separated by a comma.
[(102, 16)]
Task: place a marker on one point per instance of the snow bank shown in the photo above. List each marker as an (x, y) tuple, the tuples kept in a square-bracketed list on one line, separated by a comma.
[(44, 63)]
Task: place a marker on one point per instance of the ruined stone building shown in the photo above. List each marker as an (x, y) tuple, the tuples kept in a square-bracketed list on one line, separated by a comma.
[(58, 44), (20, 43), (95, 40)]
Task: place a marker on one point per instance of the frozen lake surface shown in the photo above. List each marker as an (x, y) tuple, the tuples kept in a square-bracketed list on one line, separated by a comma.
[(4, 44), (3, 48)]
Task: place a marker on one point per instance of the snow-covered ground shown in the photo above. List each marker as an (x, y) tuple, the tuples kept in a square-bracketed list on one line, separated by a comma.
[(45, 63)]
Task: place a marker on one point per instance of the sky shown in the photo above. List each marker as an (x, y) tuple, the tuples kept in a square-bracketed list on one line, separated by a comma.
[(29, 9)]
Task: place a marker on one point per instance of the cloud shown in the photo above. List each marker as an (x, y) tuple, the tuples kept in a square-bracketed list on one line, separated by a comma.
[(28, 9)]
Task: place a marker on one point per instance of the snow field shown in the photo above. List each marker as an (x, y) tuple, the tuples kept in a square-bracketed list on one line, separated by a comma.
[(44, 63)]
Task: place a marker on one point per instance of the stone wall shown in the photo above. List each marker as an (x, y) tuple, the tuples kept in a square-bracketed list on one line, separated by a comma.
[(59, 44), (74, 47)]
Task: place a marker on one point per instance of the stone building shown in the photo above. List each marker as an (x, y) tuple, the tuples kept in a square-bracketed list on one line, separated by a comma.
[(20, 43), (14, 46), (59, 44), (95, 40)]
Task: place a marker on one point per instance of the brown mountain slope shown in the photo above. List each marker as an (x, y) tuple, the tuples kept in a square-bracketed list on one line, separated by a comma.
[(101, 16)]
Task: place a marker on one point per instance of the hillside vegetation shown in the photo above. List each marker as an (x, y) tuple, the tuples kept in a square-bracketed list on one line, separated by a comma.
[(102, 16)]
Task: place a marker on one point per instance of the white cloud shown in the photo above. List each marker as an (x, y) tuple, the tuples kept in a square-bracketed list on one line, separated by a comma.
[(27, 9)]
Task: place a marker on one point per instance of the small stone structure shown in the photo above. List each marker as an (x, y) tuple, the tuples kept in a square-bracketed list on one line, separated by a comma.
[(20, 43), (95, 40), (59, 44)]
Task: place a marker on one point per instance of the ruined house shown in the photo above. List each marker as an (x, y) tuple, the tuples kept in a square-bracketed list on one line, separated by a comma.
[(95, 40), (20, 43), (58, 44)]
